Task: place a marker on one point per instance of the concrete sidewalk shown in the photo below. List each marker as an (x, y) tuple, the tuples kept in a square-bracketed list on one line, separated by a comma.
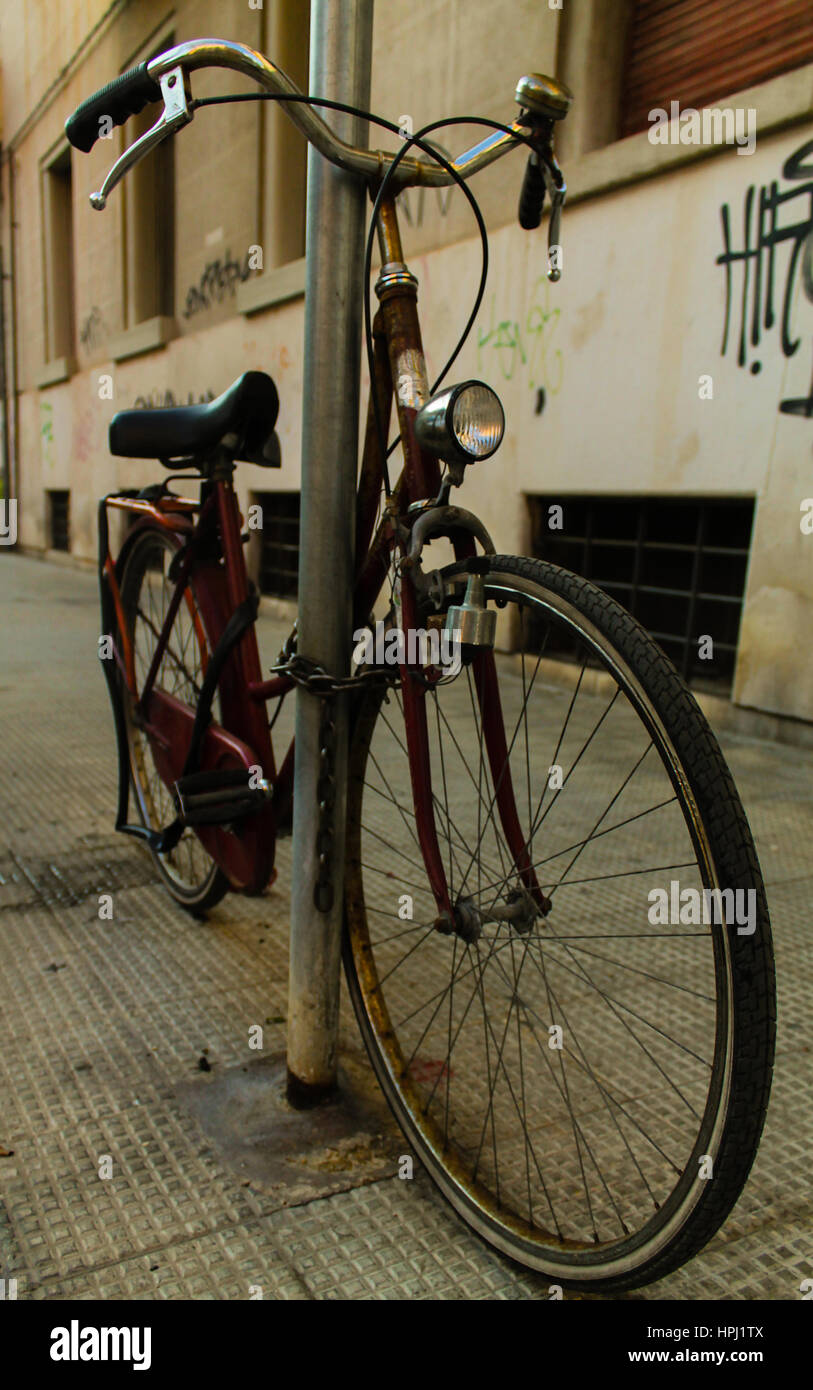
[(125, 1044)]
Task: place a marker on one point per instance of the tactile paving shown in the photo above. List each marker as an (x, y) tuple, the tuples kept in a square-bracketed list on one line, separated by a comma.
[(102, 1019)]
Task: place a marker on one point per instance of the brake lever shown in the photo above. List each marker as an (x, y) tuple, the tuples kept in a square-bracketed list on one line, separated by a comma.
[(557, 192), (176, 113)]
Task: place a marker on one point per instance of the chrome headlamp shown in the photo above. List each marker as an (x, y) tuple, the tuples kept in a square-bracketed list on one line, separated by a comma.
[(462, 424)]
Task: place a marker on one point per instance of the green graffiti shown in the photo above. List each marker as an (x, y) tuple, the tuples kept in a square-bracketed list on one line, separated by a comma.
[(526, 348)]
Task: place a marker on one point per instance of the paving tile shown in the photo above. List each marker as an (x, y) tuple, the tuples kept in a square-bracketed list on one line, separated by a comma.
[(101, 1021)]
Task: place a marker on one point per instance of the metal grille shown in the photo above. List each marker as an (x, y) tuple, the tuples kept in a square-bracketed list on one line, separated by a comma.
[(279, 565), (679, 566), (59, 523)]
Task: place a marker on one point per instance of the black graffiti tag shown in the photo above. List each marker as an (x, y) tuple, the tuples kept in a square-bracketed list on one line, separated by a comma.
[(162, 399), (219, 278), (771, 217), (92, 330)]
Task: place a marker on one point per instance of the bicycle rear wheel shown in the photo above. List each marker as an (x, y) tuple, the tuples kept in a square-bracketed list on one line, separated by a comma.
[(191, 876), (587, 1088)]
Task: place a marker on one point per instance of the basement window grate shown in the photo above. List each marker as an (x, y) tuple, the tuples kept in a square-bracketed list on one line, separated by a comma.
[(59, 520), (678, 565), (279, 563)]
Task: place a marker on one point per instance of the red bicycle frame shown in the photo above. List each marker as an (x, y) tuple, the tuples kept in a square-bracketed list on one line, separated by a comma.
[(220, 589)]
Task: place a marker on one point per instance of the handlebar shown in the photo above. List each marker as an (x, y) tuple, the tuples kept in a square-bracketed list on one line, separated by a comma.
[(118, 100), (125, 96), (167, 76)]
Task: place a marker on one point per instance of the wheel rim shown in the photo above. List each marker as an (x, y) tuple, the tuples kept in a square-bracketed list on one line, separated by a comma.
[(578, 1158), (148, 591)]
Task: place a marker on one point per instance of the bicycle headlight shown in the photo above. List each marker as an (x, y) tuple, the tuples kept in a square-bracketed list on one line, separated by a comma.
[(462, 424)]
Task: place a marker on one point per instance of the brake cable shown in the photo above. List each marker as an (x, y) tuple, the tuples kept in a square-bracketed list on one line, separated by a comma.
[(417, 139)]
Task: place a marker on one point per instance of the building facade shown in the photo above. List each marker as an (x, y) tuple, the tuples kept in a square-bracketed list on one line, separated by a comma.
[(658, 398)]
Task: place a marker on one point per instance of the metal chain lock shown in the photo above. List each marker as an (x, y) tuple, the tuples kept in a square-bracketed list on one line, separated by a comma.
[(303, 671), (326, 797)]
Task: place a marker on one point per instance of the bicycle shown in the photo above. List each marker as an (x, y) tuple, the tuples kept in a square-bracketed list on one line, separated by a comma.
[(587, 1089)]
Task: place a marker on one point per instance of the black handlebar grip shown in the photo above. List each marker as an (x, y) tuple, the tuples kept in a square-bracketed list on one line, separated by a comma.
[(123, 97), (532, 196)]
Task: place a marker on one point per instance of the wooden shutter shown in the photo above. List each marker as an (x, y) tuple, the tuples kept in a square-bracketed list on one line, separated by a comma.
[(697, 51)]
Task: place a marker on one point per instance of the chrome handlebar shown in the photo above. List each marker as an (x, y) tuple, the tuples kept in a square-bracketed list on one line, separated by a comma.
[(171, 71)]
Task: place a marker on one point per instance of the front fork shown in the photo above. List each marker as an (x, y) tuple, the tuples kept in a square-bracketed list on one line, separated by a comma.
[(464, 917), (404, 376)]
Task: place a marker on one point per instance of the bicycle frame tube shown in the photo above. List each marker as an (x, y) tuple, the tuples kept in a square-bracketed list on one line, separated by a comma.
[(242, 714), (372, 464), (397, 290), (399, 373)]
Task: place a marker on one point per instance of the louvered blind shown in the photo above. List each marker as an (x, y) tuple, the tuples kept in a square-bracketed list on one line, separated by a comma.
[(697, 51)]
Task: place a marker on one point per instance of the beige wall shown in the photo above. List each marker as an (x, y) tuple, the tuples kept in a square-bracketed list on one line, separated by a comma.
[(618, 345), (457, 57), (61, 428), (217, 194)]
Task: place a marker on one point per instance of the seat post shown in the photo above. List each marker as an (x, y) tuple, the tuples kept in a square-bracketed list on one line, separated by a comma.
[(228, 514)]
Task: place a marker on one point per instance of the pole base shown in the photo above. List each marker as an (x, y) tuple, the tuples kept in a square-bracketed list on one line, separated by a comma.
[(341, 1140), (306, 1095)]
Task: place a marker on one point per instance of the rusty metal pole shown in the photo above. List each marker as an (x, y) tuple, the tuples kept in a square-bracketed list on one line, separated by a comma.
[(340, 59)]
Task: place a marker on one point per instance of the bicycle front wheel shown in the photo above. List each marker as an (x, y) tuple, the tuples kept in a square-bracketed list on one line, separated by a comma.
[(587, 1086)]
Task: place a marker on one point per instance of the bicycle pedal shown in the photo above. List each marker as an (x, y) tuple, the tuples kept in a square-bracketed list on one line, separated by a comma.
[(216, 798)]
